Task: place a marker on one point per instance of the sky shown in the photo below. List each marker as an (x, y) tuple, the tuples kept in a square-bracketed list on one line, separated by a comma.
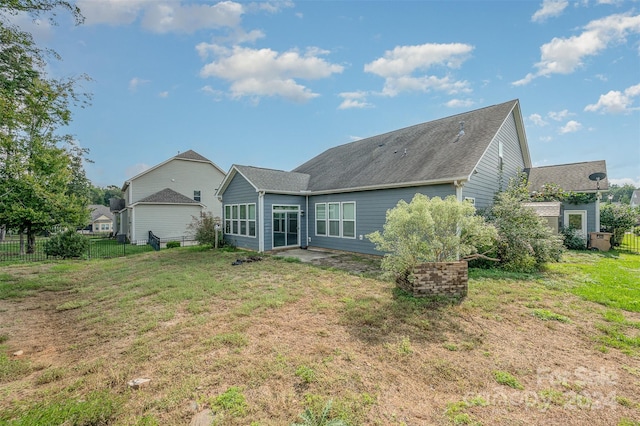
[(273, 84)]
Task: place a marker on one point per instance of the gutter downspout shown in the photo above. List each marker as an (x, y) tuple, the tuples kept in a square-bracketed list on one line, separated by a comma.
[(598, 197), (458, 185), (261, 216), (307, 221)]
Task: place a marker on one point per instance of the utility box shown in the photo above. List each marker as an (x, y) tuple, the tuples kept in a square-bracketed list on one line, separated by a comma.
[(600, 241)]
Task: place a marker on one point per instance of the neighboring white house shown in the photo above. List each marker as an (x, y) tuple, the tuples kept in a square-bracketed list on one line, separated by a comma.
[(165, 198), (101, 219), (635, 198)]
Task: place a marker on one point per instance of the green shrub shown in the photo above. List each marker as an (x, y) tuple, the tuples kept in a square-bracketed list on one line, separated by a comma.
[(204, 229), (573, 239), (617, 219), (429, 230), (525, 242), (173, 244), (67, 244)]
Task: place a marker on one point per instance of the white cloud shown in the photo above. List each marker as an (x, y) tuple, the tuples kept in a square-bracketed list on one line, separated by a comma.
[(537, 120), (164, 94), (136, 82), (398, 66), (572, 126), (549, 9), (626, 181), (136, 169), (39, 28), (354, 100), (163, 16), (112, 12), (177, 17), (559, 115), (265, 72), (546, 138), (460, 103), (216, 94), (270, 6), (616, 102), (565, 55)]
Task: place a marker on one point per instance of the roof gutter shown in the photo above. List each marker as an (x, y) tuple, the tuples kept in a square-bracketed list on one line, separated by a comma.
[(456, 180)]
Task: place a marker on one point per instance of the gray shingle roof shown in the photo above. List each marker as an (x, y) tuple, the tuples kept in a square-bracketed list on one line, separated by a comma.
[(274, 180), (427, 152), (570, 177), (191, 155), (98, 210), (168, 196)]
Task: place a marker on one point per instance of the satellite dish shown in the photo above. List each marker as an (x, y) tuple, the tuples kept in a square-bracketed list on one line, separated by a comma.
[(597, 176)]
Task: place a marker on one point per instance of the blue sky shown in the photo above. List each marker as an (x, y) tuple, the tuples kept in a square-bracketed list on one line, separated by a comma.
[(272, 84)]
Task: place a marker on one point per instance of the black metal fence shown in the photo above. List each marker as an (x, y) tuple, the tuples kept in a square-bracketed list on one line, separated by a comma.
[(12, 249), (630, 242)]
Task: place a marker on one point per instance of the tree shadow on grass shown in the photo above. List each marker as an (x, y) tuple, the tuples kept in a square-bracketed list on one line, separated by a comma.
[(377, 320)]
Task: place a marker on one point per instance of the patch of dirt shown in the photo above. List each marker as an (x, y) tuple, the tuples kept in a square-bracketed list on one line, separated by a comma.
[(354, 264)]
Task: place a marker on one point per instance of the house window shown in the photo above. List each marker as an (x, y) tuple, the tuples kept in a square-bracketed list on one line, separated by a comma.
[(500, 155), (321, 219), (196, 195), (227, 219), (349, 220), (336, 219), (240, 219)]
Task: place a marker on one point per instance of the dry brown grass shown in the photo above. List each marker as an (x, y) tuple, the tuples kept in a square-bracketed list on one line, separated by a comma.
[(291, 336)]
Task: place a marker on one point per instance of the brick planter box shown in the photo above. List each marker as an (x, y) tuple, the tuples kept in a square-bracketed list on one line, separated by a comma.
[(438, 279)]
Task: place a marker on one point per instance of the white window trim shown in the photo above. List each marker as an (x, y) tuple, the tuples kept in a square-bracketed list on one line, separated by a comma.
[(340, 220), (232, 220), (286, 208), (584, 219), (316, 219)]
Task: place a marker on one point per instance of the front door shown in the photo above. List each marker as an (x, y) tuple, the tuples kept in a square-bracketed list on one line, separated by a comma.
[(285, 226)]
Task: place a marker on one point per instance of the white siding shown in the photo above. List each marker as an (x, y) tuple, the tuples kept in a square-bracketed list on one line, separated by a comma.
[(184, 177), (166, 221)]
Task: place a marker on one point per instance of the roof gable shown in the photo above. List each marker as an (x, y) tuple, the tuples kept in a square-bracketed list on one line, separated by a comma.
[(570, 177), (167, 196), (189, 155), (268, 180), (442, 150)]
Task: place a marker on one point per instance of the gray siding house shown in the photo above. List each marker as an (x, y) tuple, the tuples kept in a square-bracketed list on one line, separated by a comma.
[(574, 177), (333, 200)]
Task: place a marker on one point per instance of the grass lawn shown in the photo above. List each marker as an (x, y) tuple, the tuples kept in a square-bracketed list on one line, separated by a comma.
[(261, 342)]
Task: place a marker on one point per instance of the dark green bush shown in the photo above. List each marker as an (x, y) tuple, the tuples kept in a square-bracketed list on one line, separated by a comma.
[(66, 245), (525, 242), (573, 239), (617, 219), (173, 244)]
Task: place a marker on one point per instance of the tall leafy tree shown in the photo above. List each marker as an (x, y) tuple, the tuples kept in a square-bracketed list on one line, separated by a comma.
[(42, 181)]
